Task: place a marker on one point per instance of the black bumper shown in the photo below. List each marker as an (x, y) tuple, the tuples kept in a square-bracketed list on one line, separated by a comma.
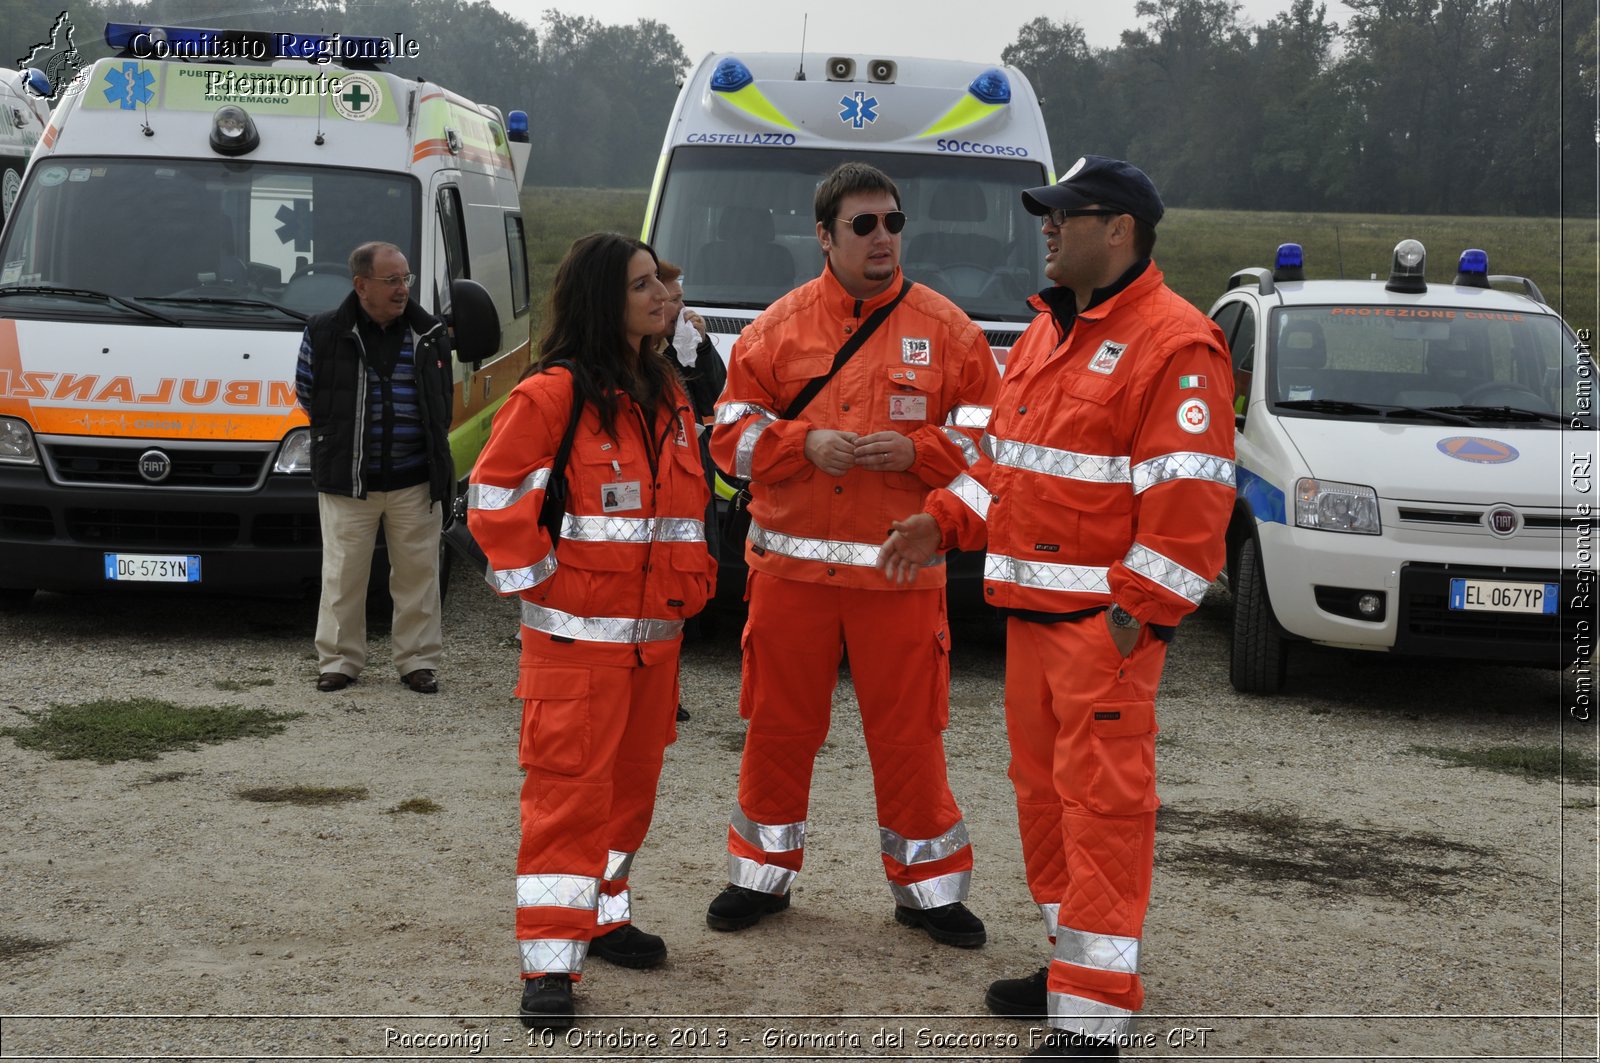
[(1428, 627)]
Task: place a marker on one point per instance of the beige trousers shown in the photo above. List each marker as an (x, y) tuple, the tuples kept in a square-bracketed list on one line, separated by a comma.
[(411, 526)]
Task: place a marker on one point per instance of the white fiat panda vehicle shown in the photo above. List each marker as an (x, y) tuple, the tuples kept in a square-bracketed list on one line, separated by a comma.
[(1413, 467)]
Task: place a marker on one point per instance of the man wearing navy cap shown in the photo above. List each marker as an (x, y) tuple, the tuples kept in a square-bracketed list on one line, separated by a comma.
[(1102, 498)]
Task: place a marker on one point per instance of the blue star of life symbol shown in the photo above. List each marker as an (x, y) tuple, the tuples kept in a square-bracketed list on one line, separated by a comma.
[(129, 86), (859, 109)]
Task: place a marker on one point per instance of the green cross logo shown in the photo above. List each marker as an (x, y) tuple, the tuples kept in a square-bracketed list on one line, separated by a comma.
[(356, 98)]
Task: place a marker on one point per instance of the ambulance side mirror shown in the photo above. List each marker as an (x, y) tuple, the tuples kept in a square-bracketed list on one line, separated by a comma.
[(474, 320)]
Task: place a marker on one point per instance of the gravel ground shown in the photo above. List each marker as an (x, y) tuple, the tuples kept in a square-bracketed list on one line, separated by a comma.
[(1322, 889)]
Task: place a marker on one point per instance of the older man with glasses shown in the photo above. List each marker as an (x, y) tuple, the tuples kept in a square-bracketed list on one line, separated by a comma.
[(374, 377), (847, 401)]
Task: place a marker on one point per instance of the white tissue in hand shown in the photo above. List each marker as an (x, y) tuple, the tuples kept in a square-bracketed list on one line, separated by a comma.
[(685, 338)]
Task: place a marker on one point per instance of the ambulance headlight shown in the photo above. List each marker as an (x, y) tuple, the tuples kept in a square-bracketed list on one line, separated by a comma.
[(16, 442), (294, 456), (233, 132), (1328, 505)]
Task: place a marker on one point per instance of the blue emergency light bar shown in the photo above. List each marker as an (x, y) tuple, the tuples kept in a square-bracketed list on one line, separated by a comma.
[(991, 86), (195, 42), (517, 127), (731, 75), (1473, 272), (1290, 263)]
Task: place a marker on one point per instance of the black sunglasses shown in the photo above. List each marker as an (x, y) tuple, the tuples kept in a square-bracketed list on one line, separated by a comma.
[(1058, 215), (862, 224)]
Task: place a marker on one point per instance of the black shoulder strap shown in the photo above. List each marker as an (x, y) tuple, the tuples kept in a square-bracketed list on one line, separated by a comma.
[(555, 491), (853, 344)]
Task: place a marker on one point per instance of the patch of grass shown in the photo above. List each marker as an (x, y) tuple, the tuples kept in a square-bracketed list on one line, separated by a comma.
[(1544, 763), (422, 806), (109, 730), (304, 795), (235, 686), (15, 947), (1271, 846)]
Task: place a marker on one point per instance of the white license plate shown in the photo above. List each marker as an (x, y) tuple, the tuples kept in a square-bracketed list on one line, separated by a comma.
[(1497, 596), (153, 568)]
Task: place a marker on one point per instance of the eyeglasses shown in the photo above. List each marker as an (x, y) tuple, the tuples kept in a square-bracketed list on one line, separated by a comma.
[(399, 280), (863, 224), (1059, 215)]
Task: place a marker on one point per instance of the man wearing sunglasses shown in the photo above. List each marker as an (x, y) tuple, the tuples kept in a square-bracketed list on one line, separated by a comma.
[(1103, 497), (374, 377), (900, 415)]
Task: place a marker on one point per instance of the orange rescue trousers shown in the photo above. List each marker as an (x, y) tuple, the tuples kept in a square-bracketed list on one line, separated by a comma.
[(898, 645), (593, 740), (1081, 722)]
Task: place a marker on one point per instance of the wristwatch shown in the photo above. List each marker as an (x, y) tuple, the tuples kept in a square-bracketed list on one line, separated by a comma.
[(1120, 617)]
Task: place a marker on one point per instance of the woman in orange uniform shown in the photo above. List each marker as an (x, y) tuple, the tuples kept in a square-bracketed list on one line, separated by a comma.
[(603, 604)]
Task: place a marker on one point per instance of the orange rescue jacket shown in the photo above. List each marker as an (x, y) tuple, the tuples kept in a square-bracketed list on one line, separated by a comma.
[(927, 372)]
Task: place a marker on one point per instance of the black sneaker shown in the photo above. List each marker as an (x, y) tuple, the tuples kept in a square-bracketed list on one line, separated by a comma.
[(738, 907), (1020, 998), (1063, 1045), (547, 1002), (683, 713), (628, 946), (948, 924)]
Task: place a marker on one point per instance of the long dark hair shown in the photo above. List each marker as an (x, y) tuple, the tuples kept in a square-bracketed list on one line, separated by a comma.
[(585, 325)]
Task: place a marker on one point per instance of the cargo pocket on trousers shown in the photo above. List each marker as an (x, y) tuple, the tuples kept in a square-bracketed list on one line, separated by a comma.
[(941, 657), (747, 668), (1122, 735), (555, 719)]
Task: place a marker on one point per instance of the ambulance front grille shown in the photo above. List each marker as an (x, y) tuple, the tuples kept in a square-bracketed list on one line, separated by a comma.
[(105, 463)]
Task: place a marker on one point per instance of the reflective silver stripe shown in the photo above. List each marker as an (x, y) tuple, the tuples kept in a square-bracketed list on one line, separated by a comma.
[(969, 449), (488, 496), (1046, 575), (933, 892), (1066, 464), (591, 529), (618, 865), (597, 628), (552, 956), (968, 416), (768, 837), (1103, 952), (1088, 1017), (1184, 465), (764, 878), (1167, 572), (556, 891), (923, 850), (613, 909), (1052, 918), (729, 412), (826, 551), (510, 580), (974, 494)]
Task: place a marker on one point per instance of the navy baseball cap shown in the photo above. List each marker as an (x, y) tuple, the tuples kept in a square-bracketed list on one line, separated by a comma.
[(1097, 180)]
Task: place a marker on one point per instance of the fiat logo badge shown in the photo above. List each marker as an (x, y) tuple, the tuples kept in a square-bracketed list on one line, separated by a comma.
[(1503, 521), (154, 466)]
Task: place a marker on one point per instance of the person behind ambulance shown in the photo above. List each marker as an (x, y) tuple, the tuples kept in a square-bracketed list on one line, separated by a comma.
[(894, 421), (602, 609), (374, 378), (1103, 497)]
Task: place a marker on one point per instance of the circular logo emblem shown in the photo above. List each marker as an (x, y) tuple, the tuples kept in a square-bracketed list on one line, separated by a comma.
[(1478, 450), (155, 466), (359, 97), (51, 176), (10, 185), (1194, 416), (1503, 522)]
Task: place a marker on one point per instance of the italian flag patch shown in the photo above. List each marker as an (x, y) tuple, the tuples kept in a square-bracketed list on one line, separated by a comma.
[(1185, 382)]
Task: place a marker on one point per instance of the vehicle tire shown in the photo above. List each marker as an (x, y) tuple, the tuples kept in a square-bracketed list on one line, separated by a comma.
[(1259, 661), (15, 599)]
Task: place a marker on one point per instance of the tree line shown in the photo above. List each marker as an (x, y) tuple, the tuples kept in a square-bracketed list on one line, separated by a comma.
[(1411, 106)]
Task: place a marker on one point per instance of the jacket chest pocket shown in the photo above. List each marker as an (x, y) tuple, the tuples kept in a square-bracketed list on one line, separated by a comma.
[(605, 525), (909, 397)]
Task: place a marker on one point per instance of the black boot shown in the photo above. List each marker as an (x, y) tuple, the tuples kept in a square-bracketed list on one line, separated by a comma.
[(628, 946), (738, 907), (1060, 1044), (1019, 998), (547, 1002), (948, 924)]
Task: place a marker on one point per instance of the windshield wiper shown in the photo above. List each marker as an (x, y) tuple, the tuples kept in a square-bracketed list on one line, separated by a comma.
[(1505, 413), (1338, 406), (225, 301), (1436, 413), (88, 293)]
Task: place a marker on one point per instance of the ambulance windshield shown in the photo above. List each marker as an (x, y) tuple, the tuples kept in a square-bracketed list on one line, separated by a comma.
[(198, 239), (740, 222)]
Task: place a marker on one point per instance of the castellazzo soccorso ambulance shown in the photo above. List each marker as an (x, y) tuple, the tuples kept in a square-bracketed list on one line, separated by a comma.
[(1413, 467), (191, 202)]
